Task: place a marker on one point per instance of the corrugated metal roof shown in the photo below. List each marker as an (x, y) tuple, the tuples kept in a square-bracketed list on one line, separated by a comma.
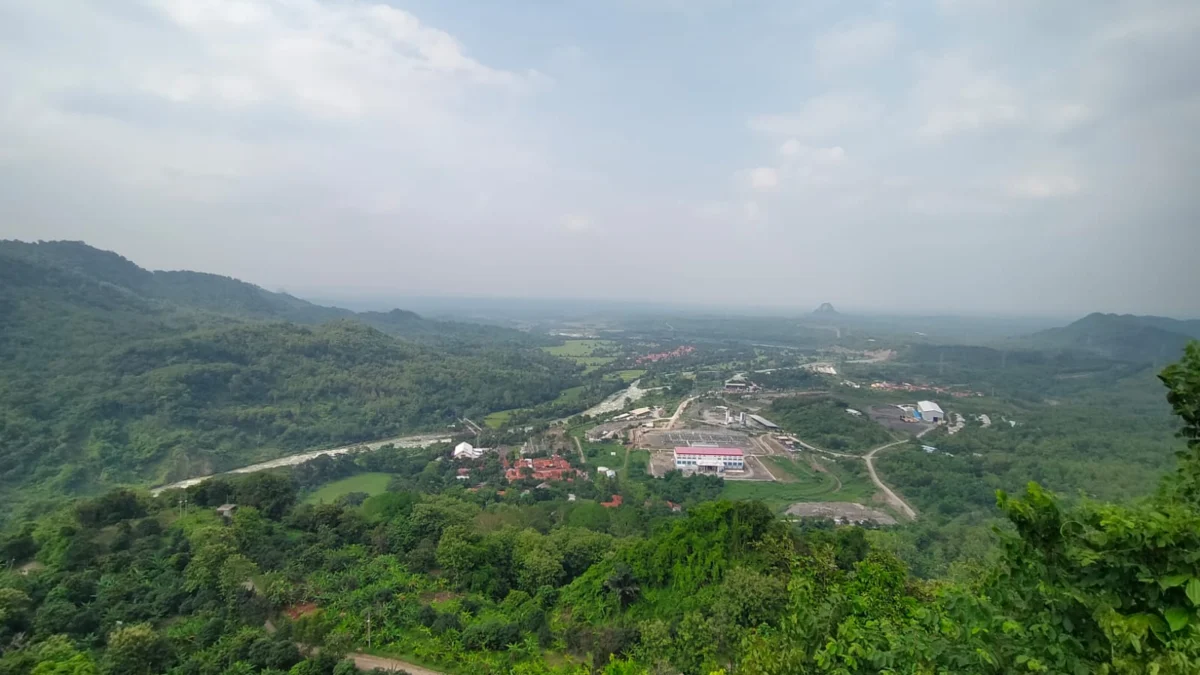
[(764, 421), (928, 406), (709, 451)]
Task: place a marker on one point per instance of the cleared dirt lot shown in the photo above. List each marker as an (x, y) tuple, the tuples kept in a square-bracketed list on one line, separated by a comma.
[(893, 418), (841, 512), (683, 438)]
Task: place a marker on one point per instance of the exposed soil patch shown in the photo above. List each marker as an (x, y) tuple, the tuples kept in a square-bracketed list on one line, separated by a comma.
[(841, 512), (303, 609)]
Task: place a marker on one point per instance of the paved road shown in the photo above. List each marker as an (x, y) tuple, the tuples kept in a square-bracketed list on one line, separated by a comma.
[(369, 662)]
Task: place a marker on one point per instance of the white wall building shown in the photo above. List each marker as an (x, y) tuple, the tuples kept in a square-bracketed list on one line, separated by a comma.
[(710, 460), (465, 450), (930, 411)]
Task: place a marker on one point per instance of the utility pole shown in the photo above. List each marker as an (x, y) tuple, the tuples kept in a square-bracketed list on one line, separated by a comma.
[(368, 629)]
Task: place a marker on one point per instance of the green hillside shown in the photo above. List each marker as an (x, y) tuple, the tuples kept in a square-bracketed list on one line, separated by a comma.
[(112, 374), (1123, 337)]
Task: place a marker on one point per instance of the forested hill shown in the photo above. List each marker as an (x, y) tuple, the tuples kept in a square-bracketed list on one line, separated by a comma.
[(1124, 337), (72, 263), (111, 374)]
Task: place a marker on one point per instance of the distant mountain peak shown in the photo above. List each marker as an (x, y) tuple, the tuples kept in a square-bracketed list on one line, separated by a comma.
[(826, 309), (1124, 337)]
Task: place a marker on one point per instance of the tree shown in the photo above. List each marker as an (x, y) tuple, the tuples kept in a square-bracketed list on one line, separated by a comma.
[(623, 584), (268, 492), (1183, 393), (57, 656), (136, 650)]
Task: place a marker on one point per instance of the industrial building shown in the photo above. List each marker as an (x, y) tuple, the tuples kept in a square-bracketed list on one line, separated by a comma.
[(709, 460), (930, 412), (762, 421)]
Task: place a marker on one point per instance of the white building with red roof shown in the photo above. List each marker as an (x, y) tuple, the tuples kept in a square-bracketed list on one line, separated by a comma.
[(710, 460)]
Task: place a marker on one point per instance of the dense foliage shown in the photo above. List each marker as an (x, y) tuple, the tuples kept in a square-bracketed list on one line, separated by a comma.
[(110, 375), (105, 379), (476, 582), (823, 421)]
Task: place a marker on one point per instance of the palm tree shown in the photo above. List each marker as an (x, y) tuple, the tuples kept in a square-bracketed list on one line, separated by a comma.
[(623, 583)]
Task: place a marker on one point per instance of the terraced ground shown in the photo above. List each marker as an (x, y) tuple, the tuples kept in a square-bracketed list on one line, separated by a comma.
[(799, 482)]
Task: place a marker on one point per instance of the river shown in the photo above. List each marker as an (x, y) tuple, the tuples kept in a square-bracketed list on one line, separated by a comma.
[(293, 460)]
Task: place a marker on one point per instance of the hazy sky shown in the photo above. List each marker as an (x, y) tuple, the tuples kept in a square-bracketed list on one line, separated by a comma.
[(982, 155)]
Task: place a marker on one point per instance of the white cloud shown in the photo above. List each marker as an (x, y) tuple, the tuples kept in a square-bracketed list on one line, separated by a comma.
[(285, 94), (822, 116), (1044, 186), (855, 45), (764, 179), (793, 148), (957, 98), (576, 223), (1066, 116)]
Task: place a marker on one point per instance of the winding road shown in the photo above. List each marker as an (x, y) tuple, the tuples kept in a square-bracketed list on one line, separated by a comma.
[(890, 496)]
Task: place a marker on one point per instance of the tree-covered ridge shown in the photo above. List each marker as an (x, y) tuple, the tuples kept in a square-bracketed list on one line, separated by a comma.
[(111, 374), (824, 422), (72, 266), (1125, 337)]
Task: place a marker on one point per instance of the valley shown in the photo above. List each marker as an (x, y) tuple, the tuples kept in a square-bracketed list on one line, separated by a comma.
[(286, 486)]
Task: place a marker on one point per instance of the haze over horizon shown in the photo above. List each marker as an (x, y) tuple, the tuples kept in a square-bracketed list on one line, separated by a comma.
[(948, 156)]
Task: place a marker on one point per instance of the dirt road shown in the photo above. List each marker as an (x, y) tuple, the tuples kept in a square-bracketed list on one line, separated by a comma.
[(679, 412), (892, 498), (368, 662)]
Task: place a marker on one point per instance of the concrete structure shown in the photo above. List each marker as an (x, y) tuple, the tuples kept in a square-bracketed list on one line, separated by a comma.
[(465, 450), (709, 460), (930, 412), (852, 411), (606, 471), (226, 511), (764, 422), (640, 412)]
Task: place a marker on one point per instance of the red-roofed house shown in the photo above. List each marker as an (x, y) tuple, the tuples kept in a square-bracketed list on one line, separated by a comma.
[(614, 503), (542, 469)]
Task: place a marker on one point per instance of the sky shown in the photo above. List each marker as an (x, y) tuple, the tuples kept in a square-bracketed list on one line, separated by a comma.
[(1007, 156)]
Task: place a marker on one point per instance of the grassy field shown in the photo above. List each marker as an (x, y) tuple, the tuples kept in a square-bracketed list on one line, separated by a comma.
[(370, 483), (570, 395), (638, 458), (497, 420), (798, 483), (583, 353), (601, 454), (628, 376), (578, 348)]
